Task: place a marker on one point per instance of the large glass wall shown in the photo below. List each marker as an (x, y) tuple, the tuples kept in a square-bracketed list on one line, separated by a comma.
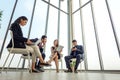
[(107, 43), (5, 20)]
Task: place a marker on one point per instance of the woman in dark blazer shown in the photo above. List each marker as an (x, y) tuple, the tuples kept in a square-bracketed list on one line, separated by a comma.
[(20, 41)]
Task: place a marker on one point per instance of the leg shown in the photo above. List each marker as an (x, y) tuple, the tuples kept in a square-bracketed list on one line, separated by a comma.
[(77, 61), (53, 57), (67, 60), (38, 61), (56, 63), (38, 66), (43, 55), (30, 49), (38, 53)]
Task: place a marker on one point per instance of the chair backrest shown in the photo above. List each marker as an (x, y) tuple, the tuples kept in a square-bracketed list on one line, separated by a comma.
[(11, 34), (82, 58)]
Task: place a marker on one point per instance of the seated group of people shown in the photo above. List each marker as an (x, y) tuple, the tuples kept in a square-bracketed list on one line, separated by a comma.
[(37, 51)]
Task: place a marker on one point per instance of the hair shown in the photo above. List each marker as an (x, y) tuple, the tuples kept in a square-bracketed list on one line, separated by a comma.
[(57, 41), (74, 40), (43, 37), (21, 17)]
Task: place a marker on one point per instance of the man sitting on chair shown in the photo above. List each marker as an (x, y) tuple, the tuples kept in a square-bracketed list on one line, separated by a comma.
[(41, 46), (76, 52)]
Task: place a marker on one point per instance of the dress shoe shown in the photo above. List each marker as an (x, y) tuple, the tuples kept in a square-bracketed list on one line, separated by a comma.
[(41, 69), (35, 71), (75, 71), (67, 71)]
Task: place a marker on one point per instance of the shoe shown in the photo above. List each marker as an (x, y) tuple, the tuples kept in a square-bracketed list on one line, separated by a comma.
[(41, 69), (45, 64), (35, 71), (57, 71), (75, 71), (69, 70)]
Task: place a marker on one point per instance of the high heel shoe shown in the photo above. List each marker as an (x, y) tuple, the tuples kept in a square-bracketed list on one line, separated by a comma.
[(57, 70)]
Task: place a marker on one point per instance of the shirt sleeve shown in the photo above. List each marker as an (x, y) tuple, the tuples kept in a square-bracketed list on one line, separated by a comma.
[(80, 49)]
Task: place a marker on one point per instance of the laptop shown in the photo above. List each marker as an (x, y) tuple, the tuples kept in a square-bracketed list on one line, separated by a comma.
[(36, 42)]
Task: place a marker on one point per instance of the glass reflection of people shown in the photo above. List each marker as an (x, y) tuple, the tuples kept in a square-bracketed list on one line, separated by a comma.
[(20, 41), (55, 55), (76, 52)]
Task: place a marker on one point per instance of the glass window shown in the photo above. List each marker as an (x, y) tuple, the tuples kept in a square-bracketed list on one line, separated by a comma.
[(107, 41), (108, 46)]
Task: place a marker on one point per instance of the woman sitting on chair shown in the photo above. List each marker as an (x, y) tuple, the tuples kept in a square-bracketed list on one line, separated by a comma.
[(24, 43), (55, 54)]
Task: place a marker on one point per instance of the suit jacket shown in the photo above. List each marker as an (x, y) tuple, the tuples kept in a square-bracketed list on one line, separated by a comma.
[(78, 51), (19, 40)]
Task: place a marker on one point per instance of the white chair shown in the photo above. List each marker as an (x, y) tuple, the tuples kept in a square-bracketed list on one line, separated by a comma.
[(14, 51), (81, 64), (60, 60), (74, 60), (23, 57)]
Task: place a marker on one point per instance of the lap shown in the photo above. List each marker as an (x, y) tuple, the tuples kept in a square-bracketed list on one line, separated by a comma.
[(69, 57), (77, 56), (33, 46), (29, 48)]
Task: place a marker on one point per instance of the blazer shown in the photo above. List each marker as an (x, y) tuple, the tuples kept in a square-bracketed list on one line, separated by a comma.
[(78, 51), (19, 40)]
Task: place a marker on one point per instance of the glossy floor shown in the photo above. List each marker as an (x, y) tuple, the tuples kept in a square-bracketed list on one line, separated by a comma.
[(52, 75)]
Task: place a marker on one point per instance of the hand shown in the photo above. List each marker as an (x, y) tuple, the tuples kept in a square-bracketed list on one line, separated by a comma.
[(74, 49), (53, 48), (29, 42), (44, 42)]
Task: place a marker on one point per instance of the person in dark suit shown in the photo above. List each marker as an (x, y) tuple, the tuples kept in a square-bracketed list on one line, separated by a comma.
[(42, 50), (76, 52), (20, 41)]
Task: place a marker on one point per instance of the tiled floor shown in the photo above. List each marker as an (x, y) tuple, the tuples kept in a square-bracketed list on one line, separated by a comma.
[(52, 75)]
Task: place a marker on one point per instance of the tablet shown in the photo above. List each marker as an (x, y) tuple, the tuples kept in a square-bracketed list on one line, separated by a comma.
[(59, 48)]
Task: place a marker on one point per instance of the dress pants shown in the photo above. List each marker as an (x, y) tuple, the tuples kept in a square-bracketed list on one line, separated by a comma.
[(67, 60), (34, 49)]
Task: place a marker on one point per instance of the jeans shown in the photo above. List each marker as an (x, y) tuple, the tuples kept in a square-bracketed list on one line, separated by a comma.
[(67, 60), (37, 65)]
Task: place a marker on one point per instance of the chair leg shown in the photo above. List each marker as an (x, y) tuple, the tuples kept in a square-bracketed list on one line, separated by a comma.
[(5, 62), (61, 65), (10, 61), (18, 63), (50, 68), (80, 66)]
